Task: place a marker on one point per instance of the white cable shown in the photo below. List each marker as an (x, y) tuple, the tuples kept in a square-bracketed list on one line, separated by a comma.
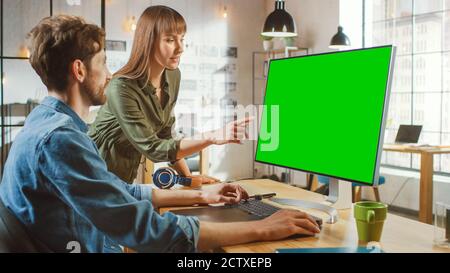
[(398, 193)]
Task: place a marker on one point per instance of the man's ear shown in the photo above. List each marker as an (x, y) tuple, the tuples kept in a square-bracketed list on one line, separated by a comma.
[(78, 70)]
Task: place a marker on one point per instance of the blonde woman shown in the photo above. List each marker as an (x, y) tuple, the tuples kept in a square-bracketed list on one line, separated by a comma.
[(137, 118)]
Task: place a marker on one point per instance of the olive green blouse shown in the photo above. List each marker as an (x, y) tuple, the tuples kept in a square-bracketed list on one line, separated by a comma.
[(133, 123)]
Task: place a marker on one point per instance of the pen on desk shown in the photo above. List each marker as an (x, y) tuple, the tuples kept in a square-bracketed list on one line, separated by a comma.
[(262, 196)]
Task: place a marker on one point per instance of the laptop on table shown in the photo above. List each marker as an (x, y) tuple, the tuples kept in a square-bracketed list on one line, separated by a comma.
[(408, 134)]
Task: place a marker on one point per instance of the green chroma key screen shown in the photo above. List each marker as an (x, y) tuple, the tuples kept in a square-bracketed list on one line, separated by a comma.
[(324, 113)]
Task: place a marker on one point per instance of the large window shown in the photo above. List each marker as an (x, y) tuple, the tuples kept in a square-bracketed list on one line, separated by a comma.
[(421, 88)]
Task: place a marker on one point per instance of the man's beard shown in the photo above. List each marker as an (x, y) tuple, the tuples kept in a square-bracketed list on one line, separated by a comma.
[(96, 95)]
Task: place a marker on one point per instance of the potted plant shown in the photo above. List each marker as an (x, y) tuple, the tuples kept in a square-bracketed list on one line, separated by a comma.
[(267, 42)]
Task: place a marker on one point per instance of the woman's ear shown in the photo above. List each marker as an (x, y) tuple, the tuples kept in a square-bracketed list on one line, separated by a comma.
[(78, 70)]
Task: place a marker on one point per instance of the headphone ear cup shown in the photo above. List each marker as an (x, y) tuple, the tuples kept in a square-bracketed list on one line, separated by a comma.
[(185, 181), (165, 178)]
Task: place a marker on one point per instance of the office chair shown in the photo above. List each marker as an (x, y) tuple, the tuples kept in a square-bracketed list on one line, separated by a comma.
[(357, 187), (14, 237)]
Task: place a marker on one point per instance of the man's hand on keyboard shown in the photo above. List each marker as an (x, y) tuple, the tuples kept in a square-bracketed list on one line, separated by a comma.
[(223, 193), (285, 223)]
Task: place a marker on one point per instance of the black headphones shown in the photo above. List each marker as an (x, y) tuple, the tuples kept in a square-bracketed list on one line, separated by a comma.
[(165, 178)]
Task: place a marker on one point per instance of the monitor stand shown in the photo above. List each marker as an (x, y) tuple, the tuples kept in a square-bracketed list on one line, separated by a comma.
[(339, 194), (339, 197)]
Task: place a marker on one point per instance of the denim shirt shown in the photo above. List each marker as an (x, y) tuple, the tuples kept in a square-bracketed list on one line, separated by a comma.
[(59, 187)]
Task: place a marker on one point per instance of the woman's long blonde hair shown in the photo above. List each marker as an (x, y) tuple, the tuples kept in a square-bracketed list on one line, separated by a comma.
[(153, 22)]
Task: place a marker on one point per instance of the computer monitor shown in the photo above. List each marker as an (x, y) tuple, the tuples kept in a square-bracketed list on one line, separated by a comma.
[(325, 113)]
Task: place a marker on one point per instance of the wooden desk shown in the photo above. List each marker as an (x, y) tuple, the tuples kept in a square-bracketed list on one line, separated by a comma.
[(426, 175), (399, 234)]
